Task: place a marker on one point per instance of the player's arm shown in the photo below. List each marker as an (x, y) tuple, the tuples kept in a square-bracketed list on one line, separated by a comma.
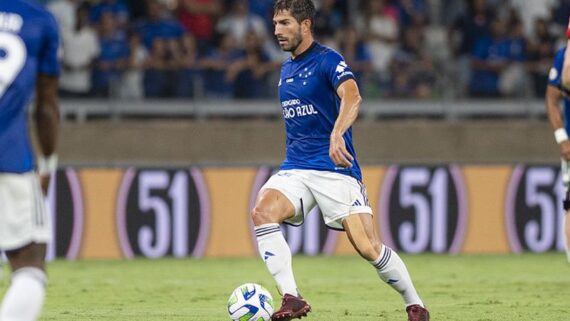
[(46, 118), (349, 105), (566, 66), (566, 69), (552, 101)]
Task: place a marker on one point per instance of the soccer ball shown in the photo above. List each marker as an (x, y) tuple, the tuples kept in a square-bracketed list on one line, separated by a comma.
[(250, 302)]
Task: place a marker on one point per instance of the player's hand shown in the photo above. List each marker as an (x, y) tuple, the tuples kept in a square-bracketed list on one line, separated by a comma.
[(565, 150), (44, 183), (338, 153)]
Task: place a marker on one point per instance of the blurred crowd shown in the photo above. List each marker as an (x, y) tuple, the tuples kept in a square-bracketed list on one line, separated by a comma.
[(135, 49)]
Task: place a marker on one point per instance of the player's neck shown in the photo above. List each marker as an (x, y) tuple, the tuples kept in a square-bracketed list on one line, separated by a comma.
[(303, 46)]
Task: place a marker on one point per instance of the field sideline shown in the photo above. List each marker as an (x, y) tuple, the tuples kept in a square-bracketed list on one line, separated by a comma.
[(529, 287)]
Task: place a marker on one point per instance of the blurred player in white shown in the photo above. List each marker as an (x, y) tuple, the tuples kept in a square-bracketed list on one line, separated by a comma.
[(320, 102), (560, 121), (28, 63)]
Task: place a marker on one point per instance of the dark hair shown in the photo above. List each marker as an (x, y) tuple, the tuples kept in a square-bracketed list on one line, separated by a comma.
[(301, 10)]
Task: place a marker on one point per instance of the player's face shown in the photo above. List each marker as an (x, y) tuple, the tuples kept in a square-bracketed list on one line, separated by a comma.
[(287, 30)]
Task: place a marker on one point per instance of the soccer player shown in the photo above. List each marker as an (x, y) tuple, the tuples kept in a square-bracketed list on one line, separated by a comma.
[(555, 93), (565, 72), (320, 101), (29, 43)]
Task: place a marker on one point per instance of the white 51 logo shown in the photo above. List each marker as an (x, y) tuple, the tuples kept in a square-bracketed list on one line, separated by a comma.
[(341, 67)]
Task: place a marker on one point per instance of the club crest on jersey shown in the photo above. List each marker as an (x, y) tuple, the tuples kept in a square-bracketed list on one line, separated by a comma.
[(553, 74)]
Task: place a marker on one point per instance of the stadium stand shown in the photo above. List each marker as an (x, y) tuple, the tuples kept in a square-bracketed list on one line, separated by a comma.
[(401, 49)]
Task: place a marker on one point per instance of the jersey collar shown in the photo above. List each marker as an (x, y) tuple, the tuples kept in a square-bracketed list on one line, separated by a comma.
[(305, 53)]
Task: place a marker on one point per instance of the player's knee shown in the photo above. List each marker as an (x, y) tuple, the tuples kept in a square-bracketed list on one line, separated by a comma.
[(261, 215), (31, 255)]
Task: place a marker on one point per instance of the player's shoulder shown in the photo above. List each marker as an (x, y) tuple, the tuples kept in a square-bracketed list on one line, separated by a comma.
[(27, 8), (327, 52), (34, 13), (329, 58), (560, 53)]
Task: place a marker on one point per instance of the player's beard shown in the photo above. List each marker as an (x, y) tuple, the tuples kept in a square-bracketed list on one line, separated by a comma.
[(294, 42)]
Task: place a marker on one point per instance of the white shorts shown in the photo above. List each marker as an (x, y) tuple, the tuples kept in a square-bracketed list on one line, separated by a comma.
[(564, 169), (337, 195), (23, 215)]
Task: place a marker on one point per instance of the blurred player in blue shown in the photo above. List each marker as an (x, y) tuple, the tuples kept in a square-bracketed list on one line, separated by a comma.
[(320, 102), (560, 121), (28, 64)]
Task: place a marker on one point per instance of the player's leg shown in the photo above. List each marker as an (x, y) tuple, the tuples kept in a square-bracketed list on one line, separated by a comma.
[(389, 266), (565, 170), (566, 222), (25, 296), (275, 204), (391, 269), (272, 208), (24, 229)]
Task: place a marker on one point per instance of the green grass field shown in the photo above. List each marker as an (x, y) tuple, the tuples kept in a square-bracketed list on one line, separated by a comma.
[(482, 287)]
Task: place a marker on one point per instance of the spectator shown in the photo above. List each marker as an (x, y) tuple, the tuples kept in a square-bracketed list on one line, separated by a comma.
[(356, 54), (113, 58), (517, 39), (411, 10), (132, 84), (198, 18), (327, 20), (65, 12), (471, 27), (117, 7), (412, 69), (188, 68), (489, 59), (559, 14), (541, 51), (239, 22), (155, 76), (530, 10), (250, 73), (161, 78), (158, 24), (379, 25), (137, 10), (215, 65), (513, 81), (465, 33), (264, 9), (80, 48)]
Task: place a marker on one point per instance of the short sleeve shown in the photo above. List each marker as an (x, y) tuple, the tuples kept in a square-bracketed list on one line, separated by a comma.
[(555, 74), (335, 69), (48, 61)]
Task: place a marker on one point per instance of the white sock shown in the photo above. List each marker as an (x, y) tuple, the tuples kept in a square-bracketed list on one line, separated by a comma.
[(276, 254), (566, 237), (392, 270), (25, 296)]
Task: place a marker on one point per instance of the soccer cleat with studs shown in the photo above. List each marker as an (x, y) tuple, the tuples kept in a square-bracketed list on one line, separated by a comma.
[(417, 313), (292, 307)]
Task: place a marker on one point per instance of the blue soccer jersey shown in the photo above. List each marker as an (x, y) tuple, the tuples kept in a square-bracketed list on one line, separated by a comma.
[(310, 105), (555, 79), (29, 43)]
